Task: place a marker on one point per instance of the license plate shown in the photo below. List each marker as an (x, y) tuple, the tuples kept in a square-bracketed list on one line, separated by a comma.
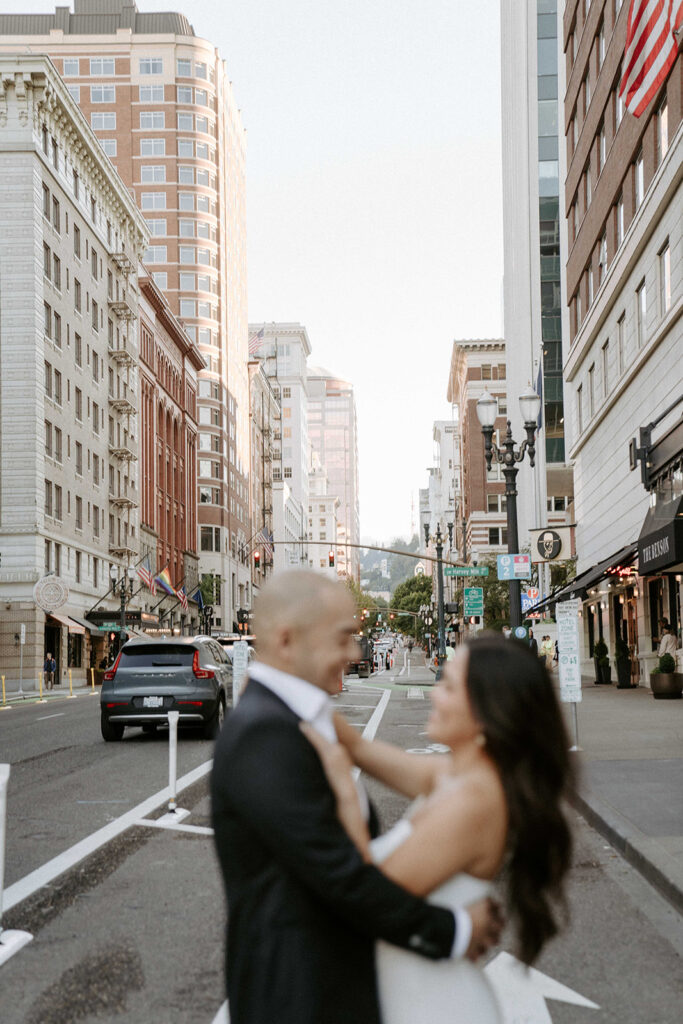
[(152, 702)]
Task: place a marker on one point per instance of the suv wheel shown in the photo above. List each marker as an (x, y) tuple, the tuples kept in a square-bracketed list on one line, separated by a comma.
[(111, 731), (215, 724)]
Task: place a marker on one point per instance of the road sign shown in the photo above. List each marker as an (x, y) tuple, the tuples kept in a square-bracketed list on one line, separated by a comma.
[(514, 567), (529, 598), (567, 616), (474, 601), (22, 633), (466, 570), (520, 632)]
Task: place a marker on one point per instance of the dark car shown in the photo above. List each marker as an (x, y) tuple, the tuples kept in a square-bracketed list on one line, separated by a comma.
[(190, 675)]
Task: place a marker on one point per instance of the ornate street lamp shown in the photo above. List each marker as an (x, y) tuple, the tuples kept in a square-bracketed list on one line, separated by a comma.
[(122, 584), (438, 541), (508, 458)]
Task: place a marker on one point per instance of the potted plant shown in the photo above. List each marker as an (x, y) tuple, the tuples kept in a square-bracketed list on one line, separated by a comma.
[(622, 657), (603, 672), (666, 682)]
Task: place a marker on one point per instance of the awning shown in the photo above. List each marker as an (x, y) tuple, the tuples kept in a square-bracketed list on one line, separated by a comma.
[(620, 559), (62, 620), (91, 628), (660, 544)]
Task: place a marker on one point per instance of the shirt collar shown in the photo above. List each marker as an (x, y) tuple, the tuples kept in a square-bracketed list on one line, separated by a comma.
[(300, 696)]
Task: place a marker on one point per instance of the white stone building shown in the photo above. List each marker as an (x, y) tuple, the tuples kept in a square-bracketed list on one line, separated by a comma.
[(70, 238), (322, 521)]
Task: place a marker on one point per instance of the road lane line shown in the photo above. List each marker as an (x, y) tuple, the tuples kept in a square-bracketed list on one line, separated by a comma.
[(57, 714), (42, 876)]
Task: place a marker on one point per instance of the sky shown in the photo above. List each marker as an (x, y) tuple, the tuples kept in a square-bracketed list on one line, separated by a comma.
[(374, 200)]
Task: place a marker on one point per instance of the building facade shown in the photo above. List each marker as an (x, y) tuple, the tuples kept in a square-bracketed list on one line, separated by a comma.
[(322, 521), (624, 283), (478, 366), (71, 237), (534, 249), (160, 101), (333, 432), (169, 365), (266, 439)]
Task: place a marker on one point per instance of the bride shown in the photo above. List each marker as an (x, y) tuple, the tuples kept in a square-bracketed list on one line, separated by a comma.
[(489, 809)]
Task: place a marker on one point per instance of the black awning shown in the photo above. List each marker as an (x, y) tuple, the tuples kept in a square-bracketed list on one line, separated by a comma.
[(660, 544), (623, 557)]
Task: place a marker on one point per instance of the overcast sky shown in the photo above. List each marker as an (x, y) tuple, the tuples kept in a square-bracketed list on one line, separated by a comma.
[(374, 200)]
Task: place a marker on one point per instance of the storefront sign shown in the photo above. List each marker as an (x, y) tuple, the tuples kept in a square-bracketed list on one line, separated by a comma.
[(553, 544), (662, 549), (240, 663), (568, 647)]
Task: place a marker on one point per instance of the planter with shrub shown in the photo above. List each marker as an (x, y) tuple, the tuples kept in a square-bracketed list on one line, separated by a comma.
[(666, 682), (622, 657)]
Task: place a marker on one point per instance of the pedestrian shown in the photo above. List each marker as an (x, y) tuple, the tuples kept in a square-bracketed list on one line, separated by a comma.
[(533, 643), (410, 647), (49, 669), (668, 644), (547, 651), (304, 905), (507, 632), (556, 655), (450, 652)]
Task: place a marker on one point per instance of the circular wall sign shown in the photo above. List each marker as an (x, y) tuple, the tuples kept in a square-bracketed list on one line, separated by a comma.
[(50, 593), (549, 544)]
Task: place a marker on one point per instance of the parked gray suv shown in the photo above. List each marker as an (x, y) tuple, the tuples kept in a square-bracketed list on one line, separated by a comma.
[(191, 675)]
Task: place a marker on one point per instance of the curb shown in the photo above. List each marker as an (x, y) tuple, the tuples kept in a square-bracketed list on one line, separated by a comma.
[(629, 841)]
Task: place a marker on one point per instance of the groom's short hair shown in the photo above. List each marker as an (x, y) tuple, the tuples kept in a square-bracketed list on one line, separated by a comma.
[(294, 597)]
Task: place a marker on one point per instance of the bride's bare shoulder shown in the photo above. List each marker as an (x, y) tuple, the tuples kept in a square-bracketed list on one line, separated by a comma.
[(479, 792)]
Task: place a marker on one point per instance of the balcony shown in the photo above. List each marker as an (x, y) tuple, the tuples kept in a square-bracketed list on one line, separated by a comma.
[(122, 355), (122, 501), (123, 262), (123, 552), (123, 453), (122, 309), (123, 405)]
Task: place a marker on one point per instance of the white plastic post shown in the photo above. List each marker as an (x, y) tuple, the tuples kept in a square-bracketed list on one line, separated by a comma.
[(173, 717), (4, 779)]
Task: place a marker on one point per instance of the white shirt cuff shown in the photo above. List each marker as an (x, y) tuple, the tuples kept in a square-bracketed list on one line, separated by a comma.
[(463, 933)]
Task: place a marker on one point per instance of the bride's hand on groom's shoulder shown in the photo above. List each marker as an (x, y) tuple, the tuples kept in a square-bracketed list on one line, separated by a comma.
[(346, 734), (334, 756), (487, 925)]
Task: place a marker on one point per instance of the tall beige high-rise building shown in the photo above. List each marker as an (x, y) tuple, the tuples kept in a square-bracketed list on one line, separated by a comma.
[(160, 102)]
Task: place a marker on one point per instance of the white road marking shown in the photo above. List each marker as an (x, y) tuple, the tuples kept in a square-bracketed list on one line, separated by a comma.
[(522, 991), (415, 693), (373, 724), (42, 876), (223, 1015), (57, 714)]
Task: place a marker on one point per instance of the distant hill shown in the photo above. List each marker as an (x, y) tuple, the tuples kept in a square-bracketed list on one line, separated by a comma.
[(381, 571)]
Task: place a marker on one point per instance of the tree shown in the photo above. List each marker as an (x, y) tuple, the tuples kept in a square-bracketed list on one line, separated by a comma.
[(374, 606), (410, 596)]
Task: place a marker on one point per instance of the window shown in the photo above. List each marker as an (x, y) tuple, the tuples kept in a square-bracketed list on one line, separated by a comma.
[(589, 286), (152, 174), (184, 70), (57, 272), (665, 279), (200, 70), (46, 202), (486, 372), (591, 390), (96, 418), (639, 180), (78, 350), (95, 316), (602, 149), (79, 513), (48, 379), (498, 535), (57, 330), (102, 66), (201, 97), (188, 282), (58, 387), (620, 220), (79, 458), (203, 125), (104, 121), (77, 242), (58, 511), (186, 228), (579, 407), (662, 131), (47, 261), (78, 567), (203, 230), (75, 92), (71, 68), (95, 572), (153, 200), (56, 218), (93, 263), (103, 94), (47, 320), (55, 155), (202, 151), (184, 94), (641, 314), (618, 109), (203, 204), (151, 66), (58, 445), (152, 119), (202, 177), (204, 257), (601, 45), (621, 328), (48, 498), (153, 147), (151, 94), (78, 402), (185, 147), (588, 187), (186, 254), (185, 122), (605, 369), (48, 438), (185, 201), (95, 367), (602, 261), (161, 279), (185, 175), (188, 307), (157, 226), (578, 309), (288, 472), (502, 371)]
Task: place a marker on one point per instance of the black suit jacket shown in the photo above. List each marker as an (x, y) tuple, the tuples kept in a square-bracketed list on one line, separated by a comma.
[(303, 907)]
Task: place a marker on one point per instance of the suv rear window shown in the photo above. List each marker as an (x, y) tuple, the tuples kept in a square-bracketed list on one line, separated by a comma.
[(157, 654)]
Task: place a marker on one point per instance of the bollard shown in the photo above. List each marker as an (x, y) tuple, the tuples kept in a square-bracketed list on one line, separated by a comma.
[(173, 717), (10, 941), (92, 677), (5, 705), (40, 687), (72, 695)]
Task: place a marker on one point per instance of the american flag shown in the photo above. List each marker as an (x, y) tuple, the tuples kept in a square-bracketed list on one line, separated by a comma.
[(182, 597), (651, 49), (254, 342), (266, 538), (147, 576)]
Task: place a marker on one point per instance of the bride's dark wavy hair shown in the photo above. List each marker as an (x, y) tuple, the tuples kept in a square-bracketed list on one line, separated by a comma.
[(514, 701)]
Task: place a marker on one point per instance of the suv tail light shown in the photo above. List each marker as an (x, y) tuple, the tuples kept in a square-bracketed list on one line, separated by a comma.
[(200, 673), (111, 672)]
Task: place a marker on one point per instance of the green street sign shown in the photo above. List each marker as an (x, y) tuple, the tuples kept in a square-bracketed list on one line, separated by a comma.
[(474, 601), (466, 570), (111, 626)]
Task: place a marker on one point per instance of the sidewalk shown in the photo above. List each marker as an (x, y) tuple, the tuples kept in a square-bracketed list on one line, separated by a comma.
[(631, 778), (31, 696)]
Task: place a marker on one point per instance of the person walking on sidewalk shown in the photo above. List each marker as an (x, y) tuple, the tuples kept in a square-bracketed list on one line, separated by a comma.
[(668, 644), (49, 669)]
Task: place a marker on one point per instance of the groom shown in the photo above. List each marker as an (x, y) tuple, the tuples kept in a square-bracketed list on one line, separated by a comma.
[(304, 908)]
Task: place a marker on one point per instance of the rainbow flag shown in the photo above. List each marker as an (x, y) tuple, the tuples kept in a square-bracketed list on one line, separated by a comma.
[(164, 581)]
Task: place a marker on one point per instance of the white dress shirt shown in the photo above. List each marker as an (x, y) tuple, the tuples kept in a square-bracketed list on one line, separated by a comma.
[(313, 705)]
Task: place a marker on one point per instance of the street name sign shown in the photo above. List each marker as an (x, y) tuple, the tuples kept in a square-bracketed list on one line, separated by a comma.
[(474, 601), (567, 616), (466, 570), (514, 567)]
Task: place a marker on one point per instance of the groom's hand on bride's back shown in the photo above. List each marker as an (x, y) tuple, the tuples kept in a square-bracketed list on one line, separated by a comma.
[(487, 925)]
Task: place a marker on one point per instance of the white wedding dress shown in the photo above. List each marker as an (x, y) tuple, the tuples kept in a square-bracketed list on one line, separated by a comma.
[(415, 990)]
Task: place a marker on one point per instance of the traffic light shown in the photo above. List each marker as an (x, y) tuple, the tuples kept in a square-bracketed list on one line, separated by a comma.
[(112, 637), (257, 559), (330, 559), (391, 615)]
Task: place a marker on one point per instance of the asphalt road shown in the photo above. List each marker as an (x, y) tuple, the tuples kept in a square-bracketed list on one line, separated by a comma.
[(134, 933)]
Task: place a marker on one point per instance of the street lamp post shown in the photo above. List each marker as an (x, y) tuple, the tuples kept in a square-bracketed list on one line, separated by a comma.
[(508, 458), (122, 587), (438, 540)]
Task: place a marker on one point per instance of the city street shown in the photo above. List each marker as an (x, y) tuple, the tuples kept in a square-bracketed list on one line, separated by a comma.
[(134, 932)]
